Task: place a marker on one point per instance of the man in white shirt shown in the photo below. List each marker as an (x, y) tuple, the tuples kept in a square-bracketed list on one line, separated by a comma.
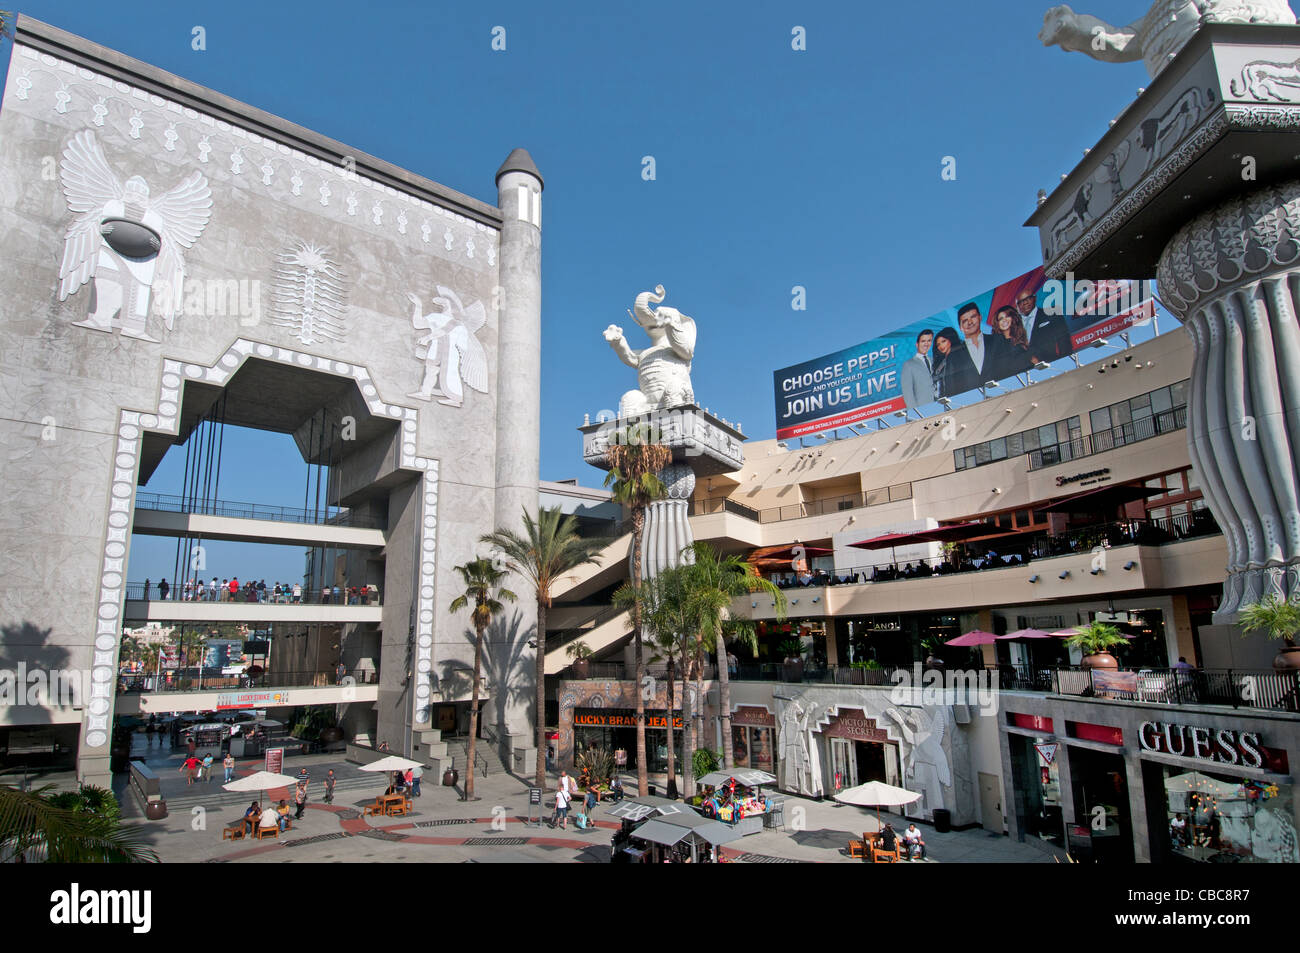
[(913, 842)]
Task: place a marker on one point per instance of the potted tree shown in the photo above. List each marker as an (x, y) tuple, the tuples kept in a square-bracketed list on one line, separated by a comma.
[(1277, 620), (792, 664), (581, 655), (1093, 640)]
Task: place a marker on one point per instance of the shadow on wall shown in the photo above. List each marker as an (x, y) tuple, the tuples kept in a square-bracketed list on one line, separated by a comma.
[(509, 668), (28, 645)]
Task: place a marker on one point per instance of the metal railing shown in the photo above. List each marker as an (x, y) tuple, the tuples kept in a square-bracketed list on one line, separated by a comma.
[(1144, 428), (598, 616), (331, 516), (189, 680), (338, 596), (794, 511), (1235, 688)]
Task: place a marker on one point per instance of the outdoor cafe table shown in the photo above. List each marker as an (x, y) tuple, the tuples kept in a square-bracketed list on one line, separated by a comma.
[(391, 801)]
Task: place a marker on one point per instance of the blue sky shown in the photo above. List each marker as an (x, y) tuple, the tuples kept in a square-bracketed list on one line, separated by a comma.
[(774, 168)]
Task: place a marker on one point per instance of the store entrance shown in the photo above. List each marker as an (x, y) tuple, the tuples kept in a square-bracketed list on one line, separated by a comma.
[(1101, 804), (857, 762)]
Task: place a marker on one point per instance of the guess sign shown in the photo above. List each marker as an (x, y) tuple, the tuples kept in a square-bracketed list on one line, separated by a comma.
[(1221, 746)]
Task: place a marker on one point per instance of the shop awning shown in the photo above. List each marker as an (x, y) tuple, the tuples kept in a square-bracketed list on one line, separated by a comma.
[(669, 831), (635, 809), (938, 534), (888, 541), (1101, 498), (1026, 634), (785, 553), (972, 638)]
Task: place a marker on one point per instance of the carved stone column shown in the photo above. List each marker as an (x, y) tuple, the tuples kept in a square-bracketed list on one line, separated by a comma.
[(667, 527), (1232, 275)]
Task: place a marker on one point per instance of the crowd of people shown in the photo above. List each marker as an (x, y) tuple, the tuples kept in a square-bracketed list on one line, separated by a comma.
[(232, 590)]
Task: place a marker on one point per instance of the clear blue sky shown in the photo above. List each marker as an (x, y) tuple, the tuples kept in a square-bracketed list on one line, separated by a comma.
[(775, 168)]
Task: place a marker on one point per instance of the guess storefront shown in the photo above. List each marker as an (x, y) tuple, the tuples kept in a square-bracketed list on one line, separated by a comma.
[(1217, 795)]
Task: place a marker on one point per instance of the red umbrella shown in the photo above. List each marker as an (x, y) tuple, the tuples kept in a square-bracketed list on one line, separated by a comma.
[(972, 638), (1027, 634)]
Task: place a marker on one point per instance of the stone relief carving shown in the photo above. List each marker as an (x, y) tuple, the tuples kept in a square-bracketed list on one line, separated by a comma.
[(1156, 37), (125, 239), (925, 765), (1269, 81), (451, 351), (800, 761), (101, 101), (664, 368), (310, 294)]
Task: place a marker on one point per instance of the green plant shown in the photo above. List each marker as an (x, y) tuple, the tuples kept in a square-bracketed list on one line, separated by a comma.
[(704, 760), (866, 664), (599, 763), (792, 648), (578, 651), (31, 824), (89, 799), (1277, 619), (1095, 637)]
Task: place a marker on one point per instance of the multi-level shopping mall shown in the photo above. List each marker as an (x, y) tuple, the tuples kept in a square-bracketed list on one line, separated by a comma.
[(1125, 487)]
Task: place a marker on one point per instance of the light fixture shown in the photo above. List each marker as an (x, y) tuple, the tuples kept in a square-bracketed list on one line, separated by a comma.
[(1095, 571), (1065, 574), (997, 489), (755, 605), (898, 443), (852, 518), (817, 599), (946, 402), (1010, 411), (1130, 566), (1042, 366), (794, 602), (991, 385), (1100, 342), (1034, 405), (901, 414), (1034, 578)]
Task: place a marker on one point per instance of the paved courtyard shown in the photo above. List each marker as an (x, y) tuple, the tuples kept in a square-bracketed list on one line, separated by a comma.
[(492, 829)]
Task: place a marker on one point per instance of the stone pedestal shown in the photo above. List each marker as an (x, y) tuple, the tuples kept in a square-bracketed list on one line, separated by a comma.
[(1194, 184)]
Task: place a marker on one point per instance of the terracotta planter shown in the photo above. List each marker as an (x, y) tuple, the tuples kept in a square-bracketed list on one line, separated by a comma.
[(1287, 659), (331, 735), (581, 668), (1101, 660), (450, 777)]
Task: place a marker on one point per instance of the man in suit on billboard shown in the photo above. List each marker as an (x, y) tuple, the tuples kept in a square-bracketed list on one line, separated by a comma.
[(1049, 337), (917, 371), (979, 359)]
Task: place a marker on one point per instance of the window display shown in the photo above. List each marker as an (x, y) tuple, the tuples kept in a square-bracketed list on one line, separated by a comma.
[(1221, 819)]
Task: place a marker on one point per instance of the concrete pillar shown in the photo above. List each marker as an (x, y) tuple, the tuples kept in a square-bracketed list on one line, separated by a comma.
[(667, 527), (519, 390), (1232, 275)]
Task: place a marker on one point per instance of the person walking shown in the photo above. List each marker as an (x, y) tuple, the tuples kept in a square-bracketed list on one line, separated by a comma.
[(191, 768), (409, 779), (207, 768), (303, 777), (329, 787), (417, 772), (163, 589), (297, 593), (300, 799), (228, 762)]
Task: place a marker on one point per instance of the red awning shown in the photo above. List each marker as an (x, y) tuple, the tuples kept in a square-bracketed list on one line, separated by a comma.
[(939, 534), (889, 540), (1101, 498)]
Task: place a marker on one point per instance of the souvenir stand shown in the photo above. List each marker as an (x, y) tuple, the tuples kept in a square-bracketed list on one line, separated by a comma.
[(736, 798)]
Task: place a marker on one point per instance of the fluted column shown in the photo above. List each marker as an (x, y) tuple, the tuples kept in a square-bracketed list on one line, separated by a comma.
[(667, 525), (1233, 276)]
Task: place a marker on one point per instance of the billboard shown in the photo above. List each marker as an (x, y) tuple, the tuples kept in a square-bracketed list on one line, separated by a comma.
[(993, 336)]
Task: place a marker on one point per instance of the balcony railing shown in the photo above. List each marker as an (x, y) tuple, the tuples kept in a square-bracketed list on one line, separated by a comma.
[(1135, 431), (332, 516), (192, 680), (795, 511), (338, 596)]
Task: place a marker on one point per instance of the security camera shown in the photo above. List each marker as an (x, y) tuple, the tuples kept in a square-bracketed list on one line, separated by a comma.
[(1034, 578), (1094, 572), (1064, 575), (1130, 566)]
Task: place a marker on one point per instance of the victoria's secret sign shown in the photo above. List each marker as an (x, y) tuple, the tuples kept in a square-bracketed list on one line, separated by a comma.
[(1222, 745)]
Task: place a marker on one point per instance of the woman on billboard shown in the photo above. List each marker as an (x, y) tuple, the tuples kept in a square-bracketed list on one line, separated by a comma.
[(945, 342)]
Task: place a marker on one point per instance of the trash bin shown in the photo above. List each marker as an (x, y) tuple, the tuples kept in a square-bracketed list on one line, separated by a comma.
[(942, 820)]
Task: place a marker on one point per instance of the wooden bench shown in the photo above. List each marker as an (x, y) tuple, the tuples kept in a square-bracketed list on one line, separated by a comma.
[(857, 848), (234, 831), (881, 856), (259, 832), (375, 809), (393, 807)]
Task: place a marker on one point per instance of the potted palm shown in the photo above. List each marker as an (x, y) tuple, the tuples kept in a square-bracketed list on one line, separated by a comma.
[(1277, 620), (1094, 639), (792, 664), (581, 655)]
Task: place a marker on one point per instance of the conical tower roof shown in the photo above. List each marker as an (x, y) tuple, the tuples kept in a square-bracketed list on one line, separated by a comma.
[(520, 161)]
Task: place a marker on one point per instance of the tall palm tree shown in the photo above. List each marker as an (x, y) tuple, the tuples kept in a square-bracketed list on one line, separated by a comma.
[(483, 589), (716, 580), (31, 823), (547, 549), (670, 620), (634, 462)]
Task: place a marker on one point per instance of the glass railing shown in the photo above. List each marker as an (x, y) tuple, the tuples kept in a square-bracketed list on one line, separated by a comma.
[(328, 516)]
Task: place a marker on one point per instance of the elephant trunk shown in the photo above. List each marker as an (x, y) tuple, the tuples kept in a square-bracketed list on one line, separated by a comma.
[(642, 306)]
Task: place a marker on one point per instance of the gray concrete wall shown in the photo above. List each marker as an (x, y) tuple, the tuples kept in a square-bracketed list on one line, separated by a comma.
[(272, 185)]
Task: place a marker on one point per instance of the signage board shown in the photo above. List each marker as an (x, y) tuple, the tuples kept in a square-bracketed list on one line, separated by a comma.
[(1214, 745), (275, 760), (1047, 751), (995, 335), (228, 700)]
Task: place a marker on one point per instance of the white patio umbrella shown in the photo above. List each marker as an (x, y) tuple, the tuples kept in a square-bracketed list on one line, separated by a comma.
[(877, 793), (391, 763), (260, 781)]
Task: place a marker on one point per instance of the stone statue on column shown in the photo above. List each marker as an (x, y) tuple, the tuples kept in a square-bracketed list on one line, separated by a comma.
[(664, 368), (1157, 36)]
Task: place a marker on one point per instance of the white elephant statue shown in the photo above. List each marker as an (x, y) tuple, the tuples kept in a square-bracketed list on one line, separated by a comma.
[(663, 368)]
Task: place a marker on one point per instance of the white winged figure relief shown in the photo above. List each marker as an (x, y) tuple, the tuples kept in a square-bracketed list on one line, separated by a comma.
[(129, 242), (451, 352)]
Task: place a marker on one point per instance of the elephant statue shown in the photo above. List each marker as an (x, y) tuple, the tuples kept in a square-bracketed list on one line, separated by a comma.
[(664, 368)]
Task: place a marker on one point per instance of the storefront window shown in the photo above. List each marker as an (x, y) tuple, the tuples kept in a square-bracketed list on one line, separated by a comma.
[(1219, 818), (752, 747)]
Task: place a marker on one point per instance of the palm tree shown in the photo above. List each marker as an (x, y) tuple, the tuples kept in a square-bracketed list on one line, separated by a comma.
[(31, 822), (668, 616), (634, 461), (716, 581), (548, 548), (480, 578)]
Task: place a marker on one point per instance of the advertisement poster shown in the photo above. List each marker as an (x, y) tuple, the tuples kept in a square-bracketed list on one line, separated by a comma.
[(993, 336)]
